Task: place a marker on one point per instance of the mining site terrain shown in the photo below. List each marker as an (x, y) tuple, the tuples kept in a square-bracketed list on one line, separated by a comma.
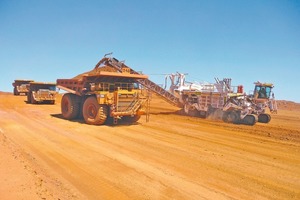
[(44, 156)]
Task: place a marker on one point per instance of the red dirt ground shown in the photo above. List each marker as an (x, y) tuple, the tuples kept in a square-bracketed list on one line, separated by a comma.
[(170, 157)]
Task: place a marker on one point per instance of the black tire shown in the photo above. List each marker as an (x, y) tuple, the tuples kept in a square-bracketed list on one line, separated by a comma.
[(32, 100), (195, 113), (131, 119), (94, 113), (269, 118), (264, 118), (215, 114), (250, 120), (28, 98), (70, 106), (16, 91), (231, 117)]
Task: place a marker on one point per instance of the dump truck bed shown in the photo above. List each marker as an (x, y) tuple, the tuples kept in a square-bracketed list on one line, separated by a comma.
[(21, 81), (80, 85), (41, 84)]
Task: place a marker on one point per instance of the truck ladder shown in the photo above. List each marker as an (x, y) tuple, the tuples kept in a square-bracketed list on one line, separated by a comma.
[(167, 96)]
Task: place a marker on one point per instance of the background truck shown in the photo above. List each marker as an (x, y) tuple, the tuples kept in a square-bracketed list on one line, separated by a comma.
[(108, 93), (21, 86), (39, 92)]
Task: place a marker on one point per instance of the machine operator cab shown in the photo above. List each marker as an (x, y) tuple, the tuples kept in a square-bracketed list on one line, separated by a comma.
[(263, 91)]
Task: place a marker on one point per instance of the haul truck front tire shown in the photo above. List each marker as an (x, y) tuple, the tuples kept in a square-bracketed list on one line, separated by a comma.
[(94, 113)]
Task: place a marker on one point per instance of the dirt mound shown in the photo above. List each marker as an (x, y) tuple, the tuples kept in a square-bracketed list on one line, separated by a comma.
[(288, 105), (5, 93)]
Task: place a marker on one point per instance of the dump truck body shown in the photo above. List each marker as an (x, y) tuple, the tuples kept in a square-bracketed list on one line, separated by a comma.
[(21, 86), (40, 92), (104, 95)]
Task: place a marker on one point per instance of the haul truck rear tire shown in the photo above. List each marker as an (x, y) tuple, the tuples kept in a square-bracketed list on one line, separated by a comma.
[(69, 106), (32, 100), (94, 113), (28, 98), (16, 91)]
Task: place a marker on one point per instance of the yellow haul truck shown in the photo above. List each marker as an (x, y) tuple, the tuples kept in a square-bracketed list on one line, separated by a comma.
[(39, 92), (21, 86), (105, 94)]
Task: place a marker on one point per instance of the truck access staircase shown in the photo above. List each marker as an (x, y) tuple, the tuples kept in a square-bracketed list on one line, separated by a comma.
[(120, 66)]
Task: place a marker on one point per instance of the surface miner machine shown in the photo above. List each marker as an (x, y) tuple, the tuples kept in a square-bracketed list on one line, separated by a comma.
[(221, 100), (108, 93)]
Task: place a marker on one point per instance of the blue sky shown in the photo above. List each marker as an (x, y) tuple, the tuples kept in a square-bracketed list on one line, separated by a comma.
[(244, 40)]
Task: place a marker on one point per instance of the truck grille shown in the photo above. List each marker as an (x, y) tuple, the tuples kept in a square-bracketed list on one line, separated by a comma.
[(126, 102), (44, 94)]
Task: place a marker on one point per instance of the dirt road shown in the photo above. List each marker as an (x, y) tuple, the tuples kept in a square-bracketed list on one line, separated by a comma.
[(171, 157)]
